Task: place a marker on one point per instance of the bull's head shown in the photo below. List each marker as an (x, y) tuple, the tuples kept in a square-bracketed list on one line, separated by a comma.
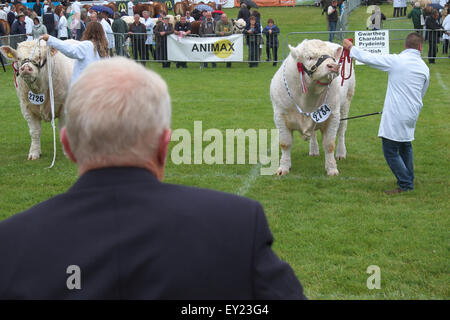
[(30, 59), (319, 59), (239, 25)]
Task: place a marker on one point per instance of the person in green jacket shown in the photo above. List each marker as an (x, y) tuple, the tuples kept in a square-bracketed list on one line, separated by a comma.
[(415, 15), (120, 29), (224, 27)]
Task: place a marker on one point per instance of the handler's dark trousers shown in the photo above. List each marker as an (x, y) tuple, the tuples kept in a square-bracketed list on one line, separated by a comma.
[(399, 156)]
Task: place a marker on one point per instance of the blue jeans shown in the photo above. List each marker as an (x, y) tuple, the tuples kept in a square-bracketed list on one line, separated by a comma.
[(399, 157), (332, 25)]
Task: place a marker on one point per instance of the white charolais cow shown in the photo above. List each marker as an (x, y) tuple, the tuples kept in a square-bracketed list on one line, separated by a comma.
[(32, 86), (316, 104)]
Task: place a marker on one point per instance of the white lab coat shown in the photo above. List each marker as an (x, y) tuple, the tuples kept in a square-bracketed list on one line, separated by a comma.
[(408, 79), (83, 52), (108, 33), (29, 27), (446, 26), (3, 15), (149, 25), (62, 27), (76, 7), (130, 6)]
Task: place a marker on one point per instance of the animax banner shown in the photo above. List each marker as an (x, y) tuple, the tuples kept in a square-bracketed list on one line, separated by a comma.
[(209, 49)]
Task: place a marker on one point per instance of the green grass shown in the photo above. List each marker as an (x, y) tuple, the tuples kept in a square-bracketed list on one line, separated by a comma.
[(330, 229)]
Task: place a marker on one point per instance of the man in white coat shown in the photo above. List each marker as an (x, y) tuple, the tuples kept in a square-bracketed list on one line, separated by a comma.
[(108, 31), (3, 13), (28, 25), (76, 7), (408, 79), (130, 6), (446, 34), (149, 25)]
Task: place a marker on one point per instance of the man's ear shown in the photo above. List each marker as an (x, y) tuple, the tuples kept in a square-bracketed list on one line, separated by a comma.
[(66, 146), (9, 53), (163, 146)]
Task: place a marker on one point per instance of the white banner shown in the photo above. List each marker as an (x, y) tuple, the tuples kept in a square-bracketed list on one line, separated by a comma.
[(208, 49), (376, 41), (227, 3)]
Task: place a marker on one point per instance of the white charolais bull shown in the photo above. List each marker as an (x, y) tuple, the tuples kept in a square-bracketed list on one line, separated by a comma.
[(32, 86), (317, 104)]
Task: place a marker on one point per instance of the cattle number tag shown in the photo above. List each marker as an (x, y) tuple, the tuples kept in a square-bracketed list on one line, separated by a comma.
[(321, 114), (36, 98)]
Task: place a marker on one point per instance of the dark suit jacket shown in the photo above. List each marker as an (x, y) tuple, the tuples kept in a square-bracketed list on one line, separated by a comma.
[(160, 27), (134, 237)]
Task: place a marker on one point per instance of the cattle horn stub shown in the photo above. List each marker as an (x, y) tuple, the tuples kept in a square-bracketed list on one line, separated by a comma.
[(294, 52)]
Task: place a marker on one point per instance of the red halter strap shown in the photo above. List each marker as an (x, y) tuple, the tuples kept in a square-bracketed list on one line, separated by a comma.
[(16, 73), (322, 83), (345, 57), (302, 80)]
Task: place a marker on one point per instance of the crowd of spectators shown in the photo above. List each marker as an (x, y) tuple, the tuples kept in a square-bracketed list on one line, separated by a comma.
[(148, 39)]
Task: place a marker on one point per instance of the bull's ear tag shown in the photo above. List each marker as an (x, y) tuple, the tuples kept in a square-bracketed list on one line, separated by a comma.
[(10, 55), (321, 114), (36, 98)]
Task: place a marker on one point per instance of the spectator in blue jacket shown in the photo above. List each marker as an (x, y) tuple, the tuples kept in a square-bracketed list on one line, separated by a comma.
[(271, 31), (18, 30), (252, 32)]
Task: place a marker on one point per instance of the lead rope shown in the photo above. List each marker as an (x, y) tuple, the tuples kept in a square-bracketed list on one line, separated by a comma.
[(345, 57), (52, 104), (289, 91)]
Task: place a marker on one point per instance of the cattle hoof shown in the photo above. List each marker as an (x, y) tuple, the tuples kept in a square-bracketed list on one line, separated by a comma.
[(332, 172), (314, 154), (282, 171), (34, 156), (340, 157)]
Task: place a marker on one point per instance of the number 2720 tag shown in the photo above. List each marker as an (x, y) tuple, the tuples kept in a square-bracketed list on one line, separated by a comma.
[(321, 114)]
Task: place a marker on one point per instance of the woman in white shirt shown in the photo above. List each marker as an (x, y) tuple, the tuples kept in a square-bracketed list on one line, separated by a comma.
[(92, 47), (62, 26)]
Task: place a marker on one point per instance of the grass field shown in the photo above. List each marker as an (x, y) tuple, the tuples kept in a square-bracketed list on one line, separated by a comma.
[(330, 229)]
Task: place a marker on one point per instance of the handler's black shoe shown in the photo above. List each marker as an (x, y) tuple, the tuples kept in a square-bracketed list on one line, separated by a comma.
[(394, 191)]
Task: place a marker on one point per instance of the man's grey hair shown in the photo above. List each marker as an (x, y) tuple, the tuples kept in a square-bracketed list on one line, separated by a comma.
[(116, 112)]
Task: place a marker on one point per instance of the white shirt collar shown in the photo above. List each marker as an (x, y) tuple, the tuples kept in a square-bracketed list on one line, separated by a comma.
[(412, 51)]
